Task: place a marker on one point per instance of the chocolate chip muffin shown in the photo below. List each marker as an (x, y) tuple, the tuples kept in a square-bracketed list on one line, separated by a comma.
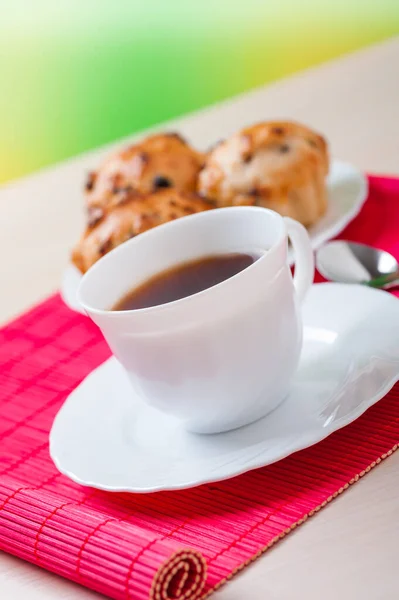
[(278, 165), (157, 162), (133, 215)]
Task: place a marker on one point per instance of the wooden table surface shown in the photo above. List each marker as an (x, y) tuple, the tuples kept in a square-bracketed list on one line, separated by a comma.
[(349, 550)]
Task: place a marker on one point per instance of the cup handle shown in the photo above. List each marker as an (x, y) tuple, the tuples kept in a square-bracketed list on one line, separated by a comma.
[(304, 258)]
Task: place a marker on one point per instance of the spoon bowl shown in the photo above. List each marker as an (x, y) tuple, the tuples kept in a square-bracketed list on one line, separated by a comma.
[(351, 262)]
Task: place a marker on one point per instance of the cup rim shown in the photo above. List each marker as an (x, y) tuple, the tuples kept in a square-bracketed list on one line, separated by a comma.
[(109, 312)]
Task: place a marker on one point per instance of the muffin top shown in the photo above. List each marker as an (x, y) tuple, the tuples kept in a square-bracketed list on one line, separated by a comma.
[(159, 161), (263, 160), (133, 215)]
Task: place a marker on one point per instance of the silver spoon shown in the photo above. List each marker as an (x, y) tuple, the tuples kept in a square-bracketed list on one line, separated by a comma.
[(349, 262)]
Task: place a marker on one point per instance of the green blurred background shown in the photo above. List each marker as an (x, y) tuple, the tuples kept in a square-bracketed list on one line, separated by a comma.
[(79, 73)]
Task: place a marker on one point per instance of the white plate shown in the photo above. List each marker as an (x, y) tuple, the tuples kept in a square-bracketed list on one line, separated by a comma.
[(105, 437), (347, 191)]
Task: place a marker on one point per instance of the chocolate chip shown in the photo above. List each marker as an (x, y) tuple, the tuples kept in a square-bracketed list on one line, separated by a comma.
[(278, 130), (248, 158), (312, 143), (284, 148), (91, 178), (161, 182), (116, 189), (105, 247), (143, 156), (253, 192)]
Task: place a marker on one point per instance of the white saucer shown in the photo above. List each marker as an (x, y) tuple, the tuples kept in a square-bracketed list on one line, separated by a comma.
[(347, 191), (105, 437)]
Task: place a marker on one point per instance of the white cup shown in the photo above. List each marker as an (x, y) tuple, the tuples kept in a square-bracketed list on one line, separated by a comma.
[(226, 356)]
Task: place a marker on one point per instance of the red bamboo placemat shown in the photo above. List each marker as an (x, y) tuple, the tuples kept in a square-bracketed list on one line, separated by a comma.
[(166, 545)]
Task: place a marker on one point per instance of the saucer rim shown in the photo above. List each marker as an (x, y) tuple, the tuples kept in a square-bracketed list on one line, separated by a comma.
[(204, 481)]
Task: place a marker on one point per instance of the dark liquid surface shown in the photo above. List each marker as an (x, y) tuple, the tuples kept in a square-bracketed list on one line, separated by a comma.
[(185, 280)]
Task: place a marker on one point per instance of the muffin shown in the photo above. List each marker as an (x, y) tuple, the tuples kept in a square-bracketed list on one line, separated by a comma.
[(278, 165), (133, 215), (157, 162)]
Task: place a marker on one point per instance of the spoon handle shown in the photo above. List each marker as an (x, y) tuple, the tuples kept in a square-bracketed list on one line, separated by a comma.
[(385, 281)]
